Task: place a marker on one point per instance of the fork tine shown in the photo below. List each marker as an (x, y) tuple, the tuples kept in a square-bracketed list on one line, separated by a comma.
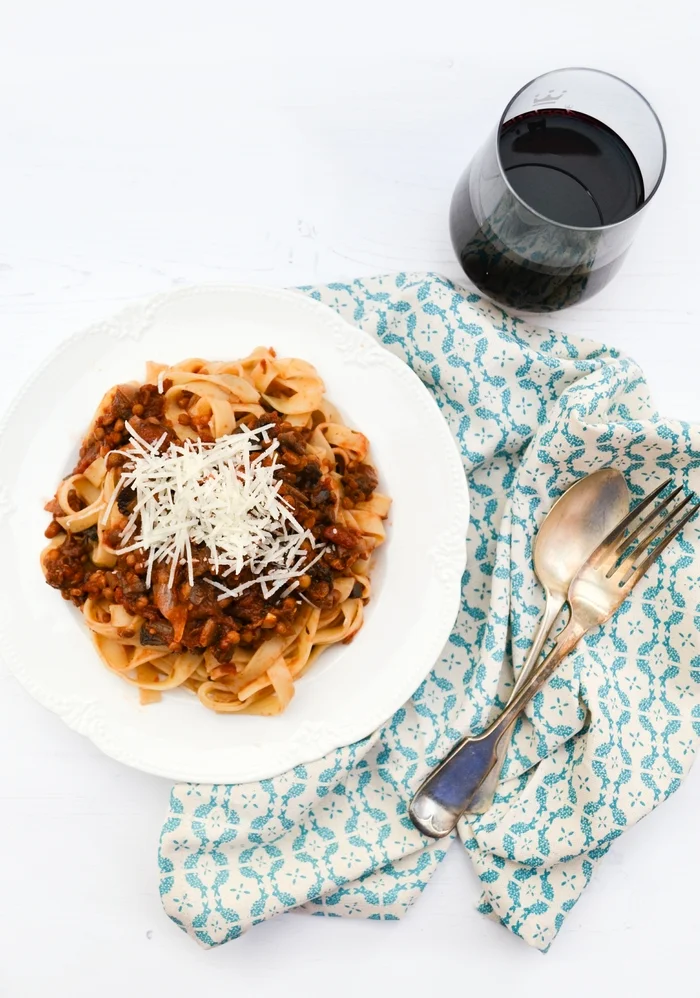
[(627, 564), (626, 541), (651, 558), (624, 523)]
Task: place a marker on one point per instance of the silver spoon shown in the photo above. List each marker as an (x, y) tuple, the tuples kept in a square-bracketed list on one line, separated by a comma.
[(576, 524), (599, 587)]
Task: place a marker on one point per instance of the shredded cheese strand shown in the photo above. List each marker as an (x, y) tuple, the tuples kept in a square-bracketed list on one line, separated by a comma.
[(223, 495)]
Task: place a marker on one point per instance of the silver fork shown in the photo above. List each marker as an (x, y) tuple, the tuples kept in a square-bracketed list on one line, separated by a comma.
[(598, 588)]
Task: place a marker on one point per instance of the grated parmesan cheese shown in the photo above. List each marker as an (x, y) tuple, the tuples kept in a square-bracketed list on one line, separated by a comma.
[(222, 495)]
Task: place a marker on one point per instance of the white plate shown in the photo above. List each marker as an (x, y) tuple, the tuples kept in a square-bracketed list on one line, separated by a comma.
[(353, 688)]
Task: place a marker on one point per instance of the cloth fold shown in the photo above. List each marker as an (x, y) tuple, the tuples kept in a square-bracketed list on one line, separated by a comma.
[(609, 738)]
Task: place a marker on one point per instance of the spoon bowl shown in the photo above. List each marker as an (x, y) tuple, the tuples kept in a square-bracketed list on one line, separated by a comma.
[(575, 525)]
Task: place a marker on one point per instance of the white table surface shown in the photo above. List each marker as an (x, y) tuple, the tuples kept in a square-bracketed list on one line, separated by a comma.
[(148, 146)]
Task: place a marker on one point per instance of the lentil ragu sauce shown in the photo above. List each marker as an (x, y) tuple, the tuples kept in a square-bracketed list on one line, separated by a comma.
[(191, 617)]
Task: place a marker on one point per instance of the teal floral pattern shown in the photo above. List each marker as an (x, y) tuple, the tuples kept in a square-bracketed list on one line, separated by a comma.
[(612, 735)]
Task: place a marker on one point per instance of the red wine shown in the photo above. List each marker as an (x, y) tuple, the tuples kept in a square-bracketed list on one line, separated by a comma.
[(570, 168), (535, 242)]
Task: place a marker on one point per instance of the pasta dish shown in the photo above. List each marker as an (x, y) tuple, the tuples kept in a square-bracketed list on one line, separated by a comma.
[(217, 530)]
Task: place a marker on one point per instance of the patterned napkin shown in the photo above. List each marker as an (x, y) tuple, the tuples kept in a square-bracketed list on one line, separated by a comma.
[(611, 736)]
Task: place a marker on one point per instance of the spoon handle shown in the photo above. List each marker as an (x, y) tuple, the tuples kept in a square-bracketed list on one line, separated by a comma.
[(483, 798), (447, 792)]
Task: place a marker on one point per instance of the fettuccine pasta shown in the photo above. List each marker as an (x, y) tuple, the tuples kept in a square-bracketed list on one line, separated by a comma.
[(218, 529)]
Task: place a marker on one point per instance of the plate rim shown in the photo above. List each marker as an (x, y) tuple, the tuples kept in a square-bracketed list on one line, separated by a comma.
[(85, 718)]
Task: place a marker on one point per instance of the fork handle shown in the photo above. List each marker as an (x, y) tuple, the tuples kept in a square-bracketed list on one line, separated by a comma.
[(483, 798), (449, 789)]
